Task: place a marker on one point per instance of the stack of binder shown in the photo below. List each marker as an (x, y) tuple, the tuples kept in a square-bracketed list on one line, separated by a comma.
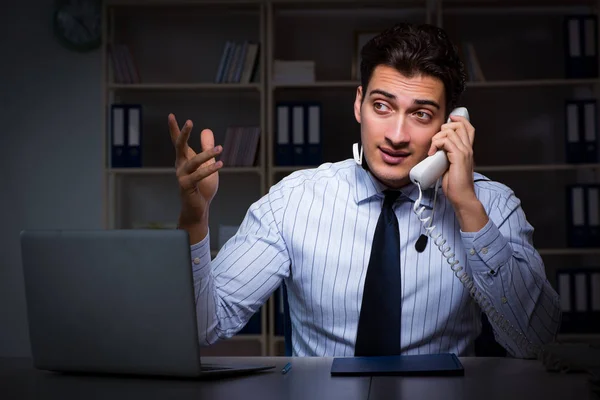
[(298, 135), (581, 46), (581, 131), (579, 291), (126, 136), (239, 62), (583, 220), (124, 68), (241, 146)]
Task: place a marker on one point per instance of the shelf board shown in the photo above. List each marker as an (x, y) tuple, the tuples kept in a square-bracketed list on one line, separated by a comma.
[(541, 167), (114, 3), (184, 86), (171, 171), (316, 84), (570, 251), (340, 9), (514, 9), (532, 82)]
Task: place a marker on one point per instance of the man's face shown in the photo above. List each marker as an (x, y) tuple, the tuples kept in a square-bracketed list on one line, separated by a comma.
[(398, 118)]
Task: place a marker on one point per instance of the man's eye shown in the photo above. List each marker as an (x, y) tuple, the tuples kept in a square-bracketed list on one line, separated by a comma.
[(381, 107), (422, 115)]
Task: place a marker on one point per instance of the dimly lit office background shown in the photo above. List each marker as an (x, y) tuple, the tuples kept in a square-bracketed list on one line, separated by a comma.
[(276, 81)]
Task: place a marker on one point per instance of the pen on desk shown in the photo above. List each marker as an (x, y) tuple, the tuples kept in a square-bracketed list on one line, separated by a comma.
[(287, 367)]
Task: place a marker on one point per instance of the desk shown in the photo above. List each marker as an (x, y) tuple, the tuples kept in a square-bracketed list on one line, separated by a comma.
[(309, 378), (489, 379)]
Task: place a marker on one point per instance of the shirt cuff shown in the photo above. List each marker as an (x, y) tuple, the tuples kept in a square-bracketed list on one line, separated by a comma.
[(200, 253), (487, 249)]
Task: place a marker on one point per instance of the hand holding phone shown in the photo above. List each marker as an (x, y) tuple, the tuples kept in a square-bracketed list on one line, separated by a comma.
[(428, 171), (426, 174)]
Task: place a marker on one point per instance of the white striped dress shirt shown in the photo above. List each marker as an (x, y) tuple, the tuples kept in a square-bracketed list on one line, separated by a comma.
[(313, 230)]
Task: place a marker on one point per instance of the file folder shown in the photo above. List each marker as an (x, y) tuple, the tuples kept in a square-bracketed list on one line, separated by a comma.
[(577, 227), (443, 364), (126, 135), (313, 140), (579, 291), (593, 215), (298, 135), (283, 144), (134, 136), (581, 131), (574, 140), (117, 137), (589, 147), (581, 46)]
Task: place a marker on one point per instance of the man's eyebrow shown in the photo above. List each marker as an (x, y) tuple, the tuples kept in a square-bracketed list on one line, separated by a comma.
[(422, 102), (383, 93)]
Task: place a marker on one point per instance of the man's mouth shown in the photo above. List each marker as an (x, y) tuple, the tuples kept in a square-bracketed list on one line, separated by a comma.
[(393, 157)]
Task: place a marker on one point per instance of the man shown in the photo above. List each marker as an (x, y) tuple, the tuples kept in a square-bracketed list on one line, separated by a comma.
[(342, 236)]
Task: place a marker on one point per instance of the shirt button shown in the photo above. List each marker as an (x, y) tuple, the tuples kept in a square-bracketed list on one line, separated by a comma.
[(484, 250), (472, 251), (504, 300), (196, 260)]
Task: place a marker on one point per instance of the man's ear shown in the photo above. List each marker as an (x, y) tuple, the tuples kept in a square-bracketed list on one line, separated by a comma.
[(357, 103)]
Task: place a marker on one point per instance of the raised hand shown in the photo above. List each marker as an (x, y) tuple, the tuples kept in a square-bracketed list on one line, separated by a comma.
[(197, 175)]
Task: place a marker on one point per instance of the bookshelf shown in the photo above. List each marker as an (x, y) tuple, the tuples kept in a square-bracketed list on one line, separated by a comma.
[(532, 36), (177, 47), (526, 68)]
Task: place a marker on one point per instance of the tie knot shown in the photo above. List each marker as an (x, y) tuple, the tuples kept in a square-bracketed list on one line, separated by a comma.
[(390, 197)]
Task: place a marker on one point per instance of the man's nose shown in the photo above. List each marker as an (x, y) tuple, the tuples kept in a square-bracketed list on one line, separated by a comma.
[(398, 133)]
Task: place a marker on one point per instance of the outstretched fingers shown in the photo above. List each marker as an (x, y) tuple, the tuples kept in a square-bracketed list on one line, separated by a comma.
[(180, 138), (189, 181), (200, 159)]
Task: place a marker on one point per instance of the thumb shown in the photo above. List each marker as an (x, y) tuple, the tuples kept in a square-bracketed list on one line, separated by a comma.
[(207, 142), (207, 139)]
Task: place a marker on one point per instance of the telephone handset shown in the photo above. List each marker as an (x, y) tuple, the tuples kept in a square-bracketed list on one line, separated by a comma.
[(428, 171), (425, 175)]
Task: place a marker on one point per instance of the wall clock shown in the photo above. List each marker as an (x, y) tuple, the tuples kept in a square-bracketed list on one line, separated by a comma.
[(77, 24)]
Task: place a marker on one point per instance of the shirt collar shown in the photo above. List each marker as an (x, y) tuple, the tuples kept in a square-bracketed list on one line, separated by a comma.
[(368, 186)]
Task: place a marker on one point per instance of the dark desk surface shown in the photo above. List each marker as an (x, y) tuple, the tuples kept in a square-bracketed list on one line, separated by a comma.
[(489, 379), (309, 378)]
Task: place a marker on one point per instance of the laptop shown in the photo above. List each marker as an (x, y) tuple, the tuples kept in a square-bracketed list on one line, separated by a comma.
[(115, 302)]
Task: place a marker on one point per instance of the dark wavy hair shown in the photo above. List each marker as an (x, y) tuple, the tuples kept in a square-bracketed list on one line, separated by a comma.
[(414, 50)]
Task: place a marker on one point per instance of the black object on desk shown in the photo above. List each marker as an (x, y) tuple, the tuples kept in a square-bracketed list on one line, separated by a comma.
[(445, 364)]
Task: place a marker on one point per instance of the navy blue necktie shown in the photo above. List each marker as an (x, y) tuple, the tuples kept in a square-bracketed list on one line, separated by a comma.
[(379, 323)]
